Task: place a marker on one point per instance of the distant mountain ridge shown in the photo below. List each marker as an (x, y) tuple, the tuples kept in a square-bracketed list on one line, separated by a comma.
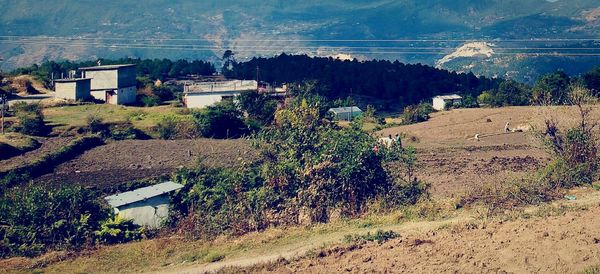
[(268, 27)]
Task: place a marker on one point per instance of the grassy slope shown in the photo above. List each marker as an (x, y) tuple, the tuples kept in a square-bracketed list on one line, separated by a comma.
[(142, 118)]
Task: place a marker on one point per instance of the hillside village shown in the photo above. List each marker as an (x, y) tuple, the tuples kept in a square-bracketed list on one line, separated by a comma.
[(262, 169)]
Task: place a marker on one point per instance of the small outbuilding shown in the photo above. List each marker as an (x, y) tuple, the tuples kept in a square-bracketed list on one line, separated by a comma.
[(73, 89), (443, 101), (147, 206), (346, 113)]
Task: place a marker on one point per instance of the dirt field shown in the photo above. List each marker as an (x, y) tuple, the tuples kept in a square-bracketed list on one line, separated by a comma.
[(453, 161), (124, 161), (566, 243)]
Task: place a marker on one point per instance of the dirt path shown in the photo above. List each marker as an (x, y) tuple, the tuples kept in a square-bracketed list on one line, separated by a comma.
[(560, 238)]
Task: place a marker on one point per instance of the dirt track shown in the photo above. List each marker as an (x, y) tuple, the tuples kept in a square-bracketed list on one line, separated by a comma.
[(561, 244), (124, 161)]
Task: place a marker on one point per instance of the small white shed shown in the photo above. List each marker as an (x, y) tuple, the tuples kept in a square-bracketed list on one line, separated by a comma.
[(346, 113), (440, 102), (147, 206)]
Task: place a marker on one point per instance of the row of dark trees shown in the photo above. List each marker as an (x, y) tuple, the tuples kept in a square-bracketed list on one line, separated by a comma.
[(393, 82), (550, 89)]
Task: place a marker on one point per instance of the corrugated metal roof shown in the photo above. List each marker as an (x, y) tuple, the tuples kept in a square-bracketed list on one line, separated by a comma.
[(449, 97), (108, 67), (141, 194), (345, 110)]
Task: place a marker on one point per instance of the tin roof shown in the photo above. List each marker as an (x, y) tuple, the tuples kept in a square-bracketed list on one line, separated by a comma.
[(345, 110), (449, 97), (141, 194), (107, 67)]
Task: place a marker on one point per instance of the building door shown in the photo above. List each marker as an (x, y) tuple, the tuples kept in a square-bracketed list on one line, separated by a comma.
[(110, 95)]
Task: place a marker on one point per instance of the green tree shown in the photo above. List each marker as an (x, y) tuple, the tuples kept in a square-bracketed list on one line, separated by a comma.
[(591, 80), (222, 120), (258, 107), (551, 89)]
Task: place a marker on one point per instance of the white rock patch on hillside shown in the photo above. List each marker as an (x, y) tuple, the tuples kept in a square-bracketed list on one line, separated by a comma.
[(472, 49)]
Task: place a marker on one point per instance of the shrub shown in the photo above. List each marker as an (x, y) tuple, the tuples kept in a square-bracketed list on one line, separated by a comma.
[(380, 237), (31, 119), (167, 128), (95, 124), (118, 230), (259, 107), (37, 219), (171, 127), (150, 101), (124, 131), (221, 121), (416, 114)]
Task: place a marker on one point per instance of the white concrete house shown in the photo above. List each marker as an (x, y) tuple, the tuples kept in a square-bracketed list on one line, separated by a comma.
[(147, 206), (200, 95), (73, 89), (440, 102), (346, 113), (114, 84)]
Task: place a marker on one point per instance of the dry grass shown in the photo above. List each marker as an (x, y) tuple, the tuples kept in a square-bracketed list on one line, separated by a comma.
[(143, 118)]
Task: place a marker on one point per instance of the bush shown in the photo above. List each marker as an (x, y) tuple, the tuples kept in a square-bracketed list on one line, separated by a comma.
[(95, 124), (124, 131), (311, 168), (172, 127), (37, 219), (221, 121), (417, 113), (117, 230), (380, 237), (150, 101), (31, 119)]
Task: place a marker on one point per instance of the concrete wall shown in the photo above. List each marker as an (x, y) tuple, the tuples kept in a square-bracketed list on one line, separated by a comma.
[(439, 104), (151, 212), (202, 100), (126, 77), (103, 79), (125, 96), (76, 90)]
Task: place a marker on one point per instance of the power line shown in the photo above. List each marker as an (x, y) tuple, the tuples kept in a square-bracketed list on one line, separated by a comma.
[(83, 43), (497, 40), (278, 47)]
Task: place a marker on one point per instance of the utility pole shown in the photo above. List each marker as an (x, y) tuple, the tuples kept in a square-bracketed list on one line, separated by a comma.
[(257, 79), (3, 97)]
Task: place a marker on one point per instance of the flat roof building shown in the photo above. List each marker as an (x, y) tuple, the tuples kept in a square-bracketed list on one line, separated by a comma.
[(200, 95), (114, 84), (147, 206), (73, 89), (443, 102)]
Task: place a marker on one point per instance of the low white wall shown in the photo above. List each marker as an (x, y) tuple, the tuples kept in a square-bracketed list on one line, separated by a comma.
[(202, 100)]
